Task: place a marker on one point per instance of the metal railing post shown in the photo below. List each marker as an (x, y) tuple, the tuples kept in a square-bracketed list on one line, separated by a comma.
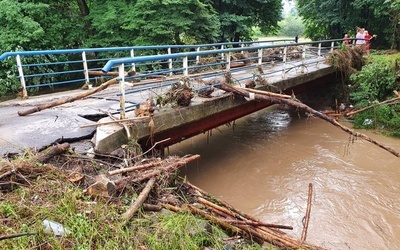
[(260, 55), (228, 62), (222, 54), (242, 46), (121, 71), (185, 66), (284, 62), (332, 45), (170, 61), (86, 70), (198, 56), (303, 59), (319, 53), (21, 77), (133, 64)]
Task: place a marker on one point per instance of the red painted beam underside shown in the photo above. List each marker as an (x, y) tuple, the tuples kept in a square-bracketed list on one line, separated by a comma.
[(194, 128)]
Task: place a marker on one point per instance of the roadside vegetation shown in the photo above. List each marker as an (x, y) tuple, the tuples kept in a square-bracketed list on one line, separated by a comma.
[(374, 84)]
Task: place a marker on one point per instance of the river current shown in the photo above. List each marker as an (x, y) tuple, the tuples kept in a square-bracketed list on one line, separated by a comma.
[(263, 164)]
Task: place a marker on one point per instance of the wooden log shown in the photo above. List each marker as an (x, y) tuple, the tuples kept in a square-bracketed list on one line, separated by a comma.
[(230, 229), (318, 114), (267, 93), (350, 114), (179, 163), (10, 236), (151, 207), (182, 162), (7, 173), (134, 168), (254, 223), (101, 73), (139, 201), (46, 155), (307, 217), (116, 121), (171, 207), (69, 99)]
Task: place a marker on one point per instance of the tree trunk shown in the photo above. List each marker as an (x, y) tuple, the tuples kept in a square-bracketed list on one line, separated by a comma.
[(83, 7)]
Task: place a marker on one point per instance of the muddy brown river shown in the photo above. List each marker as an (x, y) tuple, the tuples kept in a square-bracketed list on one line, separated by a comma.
[(263, 167)]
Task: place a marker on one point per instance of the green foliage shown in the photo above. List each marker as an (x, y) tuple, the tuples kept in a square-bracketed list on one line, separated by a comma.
[(373, 84), (187, 20), (237, 17), (20, 26), (291, 26), (9, 82), (107, 19), (332, 19), (385, 118)]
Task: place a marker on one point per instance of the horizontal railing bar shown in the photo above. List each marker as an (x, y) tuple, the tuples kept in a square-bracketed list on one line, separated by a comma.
[(55, 83), (54, 73)]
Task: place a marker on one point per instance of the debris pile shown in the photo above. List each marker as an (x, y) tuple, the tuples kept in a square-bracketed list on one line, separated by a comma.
[(154, 183)]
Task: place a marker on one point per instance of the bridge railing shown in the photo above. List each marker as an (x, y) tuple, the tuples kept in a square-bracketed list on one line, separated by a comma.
[(51, 68), (307, 53)]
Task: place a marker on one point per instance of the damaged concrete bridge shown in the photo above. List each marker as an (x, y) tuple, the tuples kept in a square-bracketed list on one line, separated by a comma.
[(285, 67)]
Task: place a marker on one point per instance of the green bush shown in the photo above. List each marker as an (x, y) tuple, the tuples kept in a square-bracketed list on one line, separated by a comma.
[(374, 84)]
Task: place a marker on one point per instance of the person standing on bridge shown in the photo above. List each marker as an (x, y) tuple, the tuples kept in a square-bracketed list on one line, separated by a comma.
[(346, 40), (368, 38), (360, 36)]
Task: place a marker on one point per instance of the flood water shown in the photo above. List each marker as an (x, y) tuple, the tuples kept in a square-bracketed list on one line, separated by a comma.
[(263, 167)]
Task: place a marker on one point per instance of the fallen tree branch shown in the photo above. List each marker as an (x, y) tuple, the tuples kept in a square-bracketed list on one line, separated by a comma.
[(135, 168), (307, 217), (10, 236), (267, 93), (350, 114), (254, 223), (179, 163), (116, 121), (69, 99), (139, 201), (296, 104), (46, 155), (7, 173)]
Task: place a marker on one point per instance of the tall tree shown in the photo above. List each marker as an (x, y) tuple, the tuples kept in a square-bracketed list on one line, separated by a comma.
[(238, 17), (172, 22)]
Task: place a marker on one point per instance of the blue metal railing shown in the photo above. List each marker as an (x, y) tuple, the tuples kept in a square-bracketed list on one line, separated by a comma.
[(225, 60), (35, 70), (43, 68)]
